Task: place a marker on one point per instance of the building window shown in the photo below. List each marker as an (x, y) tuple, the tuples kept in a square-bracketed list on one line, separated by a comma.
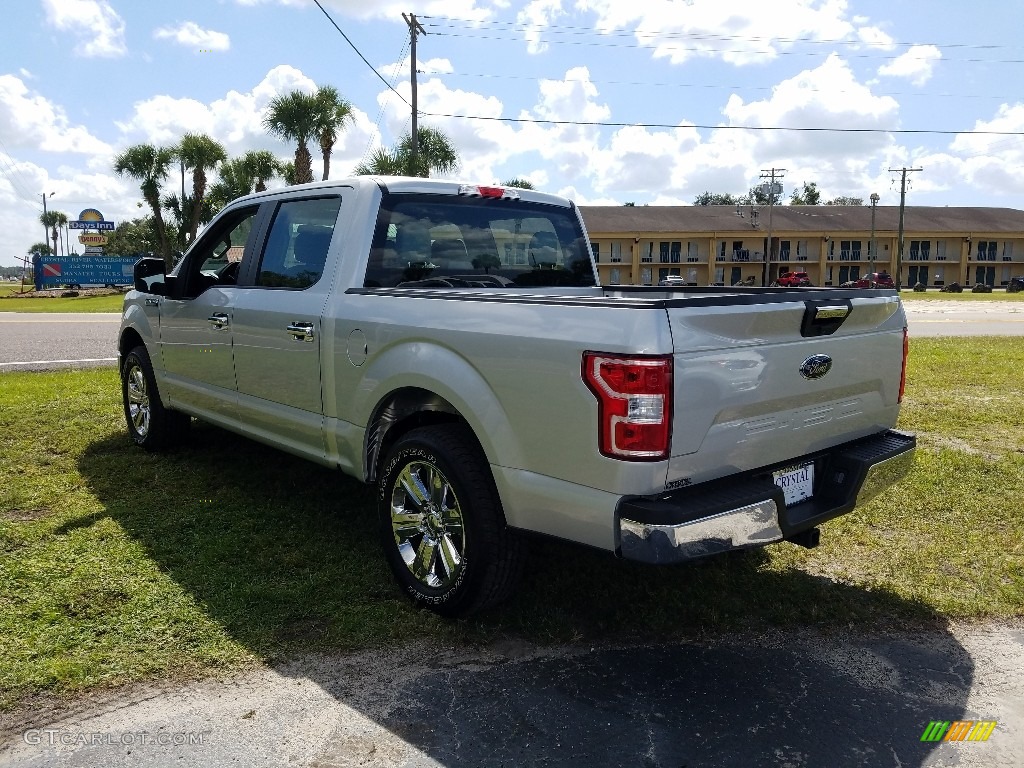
[(616, 252), (595, 248), (614, 276), (646, 276), (692, 254), (987, 250), (720, 273), (677, 248), (648, 253), (1008, 252), (940, 250), (784, 250), (663, 251), (940, 276)]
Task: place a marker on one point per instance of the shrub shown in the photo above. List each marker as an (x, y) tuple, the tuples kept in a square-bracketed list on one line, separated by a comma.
[(981, 288), (953, 288), (920, 287)]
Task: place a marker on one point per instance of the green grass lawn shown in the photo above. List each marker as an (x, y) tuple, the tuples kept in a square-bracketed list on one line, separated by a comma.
[(111, 303), (998, 294), (117, 565)]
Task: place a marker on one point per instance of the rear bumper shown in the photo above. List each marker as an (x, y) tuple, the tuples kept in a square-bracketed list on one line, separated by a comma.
[(749, 510)]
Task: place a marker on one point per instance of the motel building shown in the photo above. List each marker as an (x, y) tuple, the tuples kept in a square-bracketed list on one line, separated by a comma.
[(726, 245)]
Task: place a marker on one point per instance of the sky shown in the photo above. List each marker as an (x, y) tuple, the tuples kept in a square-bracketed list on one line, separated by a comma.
[(602, 101)]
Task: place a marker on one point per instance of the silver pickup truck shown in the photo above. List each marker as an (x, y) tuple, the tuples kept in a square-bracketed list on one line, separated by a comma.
[(450, 344)]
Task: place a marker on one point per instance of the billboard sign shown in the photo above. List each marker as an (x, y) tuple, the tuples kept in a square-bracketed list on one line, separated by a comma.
[(55, 271)]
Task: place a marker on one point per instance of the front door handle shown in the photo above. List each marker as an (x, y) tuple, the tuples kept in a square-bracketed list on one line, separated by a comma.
[(218, 320), (302, 331)]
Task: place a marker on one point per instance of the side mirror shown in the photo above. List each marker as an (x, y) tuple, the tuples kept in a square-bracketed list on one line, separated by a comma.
[(148, 275)]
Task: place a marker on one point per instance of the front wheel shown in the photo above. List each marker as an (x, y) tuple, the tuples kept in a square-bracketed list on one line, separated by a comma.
[(442, 525), (150, 424)]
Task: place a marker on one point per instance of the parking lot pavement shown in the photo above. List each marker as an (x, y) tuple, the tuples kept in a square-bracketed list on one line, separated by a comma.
[(800, 698)]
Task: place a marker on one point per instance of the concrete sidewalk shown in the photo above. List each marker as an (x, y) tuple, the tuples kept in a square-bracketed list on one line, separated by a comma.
[(778, 699)]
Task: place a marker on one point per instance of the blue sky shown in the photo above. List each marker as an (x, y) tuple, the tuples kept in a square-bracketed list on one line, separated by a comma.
[(685, 90)]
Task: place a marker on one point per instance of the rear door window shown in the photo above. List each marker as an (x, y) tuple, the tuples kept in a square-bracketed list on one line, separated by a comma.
[(435, 241), (295, 254)]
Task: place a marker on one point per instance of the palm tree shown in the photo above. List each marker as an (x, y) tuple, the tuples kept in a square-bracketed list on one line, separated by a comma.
[(435, 152), (149, 165), (233, 180), (261, 166), (200, 153), (519, 183), (51, 220), (292, 117), (332, 114), (383, 162), (62, 225)]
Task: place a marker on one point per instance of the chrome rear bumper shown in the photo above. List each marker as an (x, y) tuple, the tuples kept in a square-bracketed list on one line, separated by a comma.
[(749, 510)]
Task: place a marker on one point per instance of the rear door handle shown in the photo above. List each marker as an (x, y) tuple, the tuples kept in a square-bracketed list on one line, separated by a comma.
[(302, 331), (218, 320)]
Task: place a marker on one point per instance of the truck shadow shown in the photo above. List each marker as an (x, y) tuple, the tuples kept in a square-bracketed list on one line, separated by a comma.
[(595, 661)]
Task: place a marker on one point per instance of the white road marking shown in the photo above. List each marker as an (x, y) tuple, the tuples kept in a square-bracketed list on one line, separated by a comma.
[(55, 362)]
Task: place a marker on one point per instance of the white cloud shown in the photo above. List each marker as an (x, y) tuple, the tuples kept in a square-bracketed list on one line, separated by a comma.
[(29, 120), (917, 64), (740, 32), (94, 22), (191, 35), (535, 17)]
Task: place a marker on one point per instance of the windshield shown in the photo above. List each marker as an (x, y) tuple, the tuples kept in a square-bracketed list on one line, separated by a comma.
[(433, 241)]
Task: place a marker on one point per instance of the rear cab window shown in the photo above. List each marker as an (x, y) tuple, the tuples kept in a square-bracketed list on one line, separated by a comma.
[(443, 241)]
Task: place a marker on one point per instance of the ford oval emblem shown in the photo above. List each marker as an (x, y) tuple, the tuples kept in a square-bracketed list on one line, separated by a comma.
[(816, 366)]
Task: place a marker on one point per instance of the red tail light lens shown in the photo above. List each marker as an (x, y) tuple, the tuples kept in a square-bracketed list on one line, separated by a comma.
[(634, 396), (903, 373)]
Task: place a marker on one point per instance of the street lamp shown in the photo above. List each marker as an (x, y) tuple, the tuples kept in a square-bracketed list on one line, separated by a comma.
[(874, 243)]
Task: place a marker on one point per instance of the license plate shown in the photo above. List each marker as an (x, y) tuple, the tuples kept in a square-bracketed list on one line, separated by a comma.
[(797, 483)]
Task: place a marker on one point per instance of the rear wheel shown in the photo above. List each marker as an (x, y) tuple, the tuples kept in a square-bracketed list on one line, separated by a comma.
[(442, 525), (150, 424)]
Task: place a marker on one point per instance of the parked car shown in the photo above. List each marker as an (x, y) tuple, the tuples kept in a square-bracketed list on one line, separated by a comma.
[(871, 280), (398, 338), (794, 280), (672, 280)]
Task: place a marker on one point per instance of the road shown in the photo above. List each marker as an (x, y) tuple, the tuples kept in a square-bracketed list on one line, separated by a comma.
[(41, 341), (35, 341)]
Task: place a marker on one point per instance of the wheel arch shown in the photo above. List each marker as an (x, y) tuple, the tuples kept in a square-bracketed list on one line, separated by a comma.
[(401, 411)]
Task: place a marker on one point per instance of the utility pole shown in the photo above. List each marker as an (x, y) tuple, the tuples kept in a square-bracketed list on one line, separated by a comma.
[(903, 201), (771, 175), (414, 28)]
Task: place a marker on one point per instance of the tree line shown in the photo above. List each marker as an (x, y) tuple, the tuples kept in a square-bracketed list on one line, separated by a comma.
[(806, 194)]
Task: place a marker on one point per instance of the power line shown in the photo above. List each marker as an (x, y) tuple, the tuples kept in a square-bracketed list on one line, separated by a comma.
[(562, 29), (748, 51), (611, 124), (378, 74)]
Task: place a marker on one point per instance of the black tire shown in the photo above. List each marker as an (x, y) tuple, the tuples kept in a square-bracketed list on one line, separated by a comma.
[(449, 547), (150, 424)]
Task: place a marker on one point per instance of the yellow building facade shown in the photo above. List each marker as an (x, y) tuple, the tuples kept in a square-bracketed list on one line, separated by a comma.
[(726, 245)]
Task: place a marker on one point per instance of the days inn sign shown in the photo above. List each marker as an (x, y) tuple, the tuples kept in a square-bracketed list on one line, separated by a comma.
[(90, 218)]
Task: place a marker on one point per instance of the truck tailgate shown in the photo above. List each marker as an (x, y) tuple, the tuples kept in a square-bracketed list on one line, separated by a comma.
[(780, 379)]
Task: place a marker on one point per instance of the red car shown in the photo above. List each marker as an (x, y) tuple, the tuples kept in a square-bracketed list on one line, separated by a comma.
[(794, 279)]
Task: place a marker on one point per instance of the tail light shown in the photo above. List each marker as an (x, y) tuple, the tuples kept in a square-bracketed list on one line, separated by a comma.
[(634, 396), (903, 373)]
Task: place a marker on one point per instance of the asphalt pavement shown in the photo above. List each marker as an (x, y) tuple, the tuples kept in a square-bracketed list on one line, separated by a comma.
[(798, 699)]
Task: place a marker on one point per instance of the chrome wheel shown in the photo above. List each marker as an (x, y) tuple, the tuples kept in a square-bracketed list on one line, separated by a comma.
[(139, 409), (426, 521)]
